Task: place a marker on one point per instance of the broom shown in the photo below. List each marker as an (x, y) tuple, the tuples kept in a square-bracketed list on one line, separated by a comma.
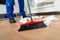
[(29, 25)]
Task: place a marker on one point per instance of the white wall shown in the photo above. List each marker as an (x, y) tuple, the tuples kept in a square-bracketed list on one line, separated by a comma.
[(3, 8), (57, 5), (48, 8)]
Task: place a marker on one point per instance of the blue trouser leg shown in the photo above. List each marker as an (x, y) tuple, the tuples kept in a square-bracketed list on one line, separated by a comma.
[(21, 7), (9, 8)]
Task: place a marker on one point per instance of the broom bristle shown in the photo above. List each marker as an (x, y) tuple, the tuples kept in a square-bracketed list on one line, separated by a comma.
[(32, 25)]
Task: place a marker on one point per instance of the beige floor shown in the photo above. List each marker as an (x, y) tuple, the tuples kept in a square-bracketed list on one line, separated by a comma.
[(9, 31)]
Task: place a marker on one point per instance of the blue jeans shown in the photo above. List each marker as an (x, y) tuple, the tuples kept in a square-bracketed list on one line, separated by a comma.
[(10, 8)]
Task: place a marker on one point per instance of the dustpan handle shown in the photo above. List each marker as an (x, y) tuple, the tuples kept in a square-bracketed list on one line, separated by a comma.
[(29, 10)]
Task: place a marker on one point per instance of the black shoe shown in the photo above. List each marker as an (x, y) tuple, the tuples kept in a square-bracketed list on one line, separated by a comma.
[(12, 21), (25, 16)]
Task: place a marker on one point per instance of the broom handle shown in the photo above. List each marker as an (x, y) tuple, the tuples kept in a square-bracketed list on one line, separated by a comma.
[(29, 10)]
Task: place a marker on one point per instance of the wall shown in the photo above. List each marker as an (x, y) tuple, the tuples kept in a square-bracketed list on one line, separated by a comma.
[(47, 8), (3, 8)]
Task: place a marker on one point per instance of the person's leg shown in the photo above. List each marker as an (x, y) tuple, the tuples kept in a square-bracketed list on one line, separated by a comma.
[(21, 7), (9, 10)]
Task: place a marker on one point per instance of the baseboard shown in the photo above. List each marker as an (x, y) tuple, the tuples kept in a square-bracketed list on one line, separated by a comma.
[(2, 16)]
